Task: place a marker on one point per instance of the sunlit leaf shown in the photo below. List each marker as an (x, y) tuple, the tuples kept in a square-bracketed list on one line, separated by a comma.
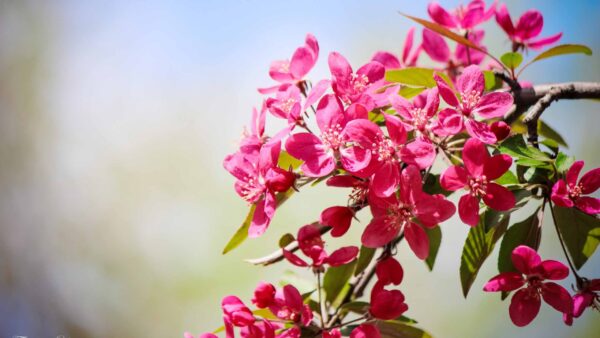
[(336, 278), (512, 60), (412, 76), (242, 232), (364, 258), (435, 239), (492, 82), (562, 50), (286, 161)]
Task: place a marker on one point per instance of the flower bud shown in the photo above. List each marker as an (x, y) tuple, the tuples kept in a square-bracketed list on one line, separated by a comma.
[(264, 294), (500, 129), (279, 180)]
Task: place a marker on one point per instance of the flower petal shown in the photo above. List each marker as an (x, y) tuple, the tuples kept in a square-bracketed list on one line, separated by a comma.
[(454, 178), (337, 217), (558, 297), (387, 304), (386, 179), (389, 271), (408, 43), (301, 63), (440, 15), (395, 128), (330, 113), (417, 240), (529, 25), (494, 104), (554, 270), (475, 155), (418, 152), (496, 166), (504, 20), (451, 121), (435, 46), (308, 147), (446, 92), (560, 194), (294, 259), (481, 131), (498, 197), (342, 256), (387, 59), (339, 67), (573, 173), (590, 181), (543, 42), (507, 281), (365, 331), (589, 205), (524, 307), (471, 80), (378, 233), (468, 209), (525, 259)]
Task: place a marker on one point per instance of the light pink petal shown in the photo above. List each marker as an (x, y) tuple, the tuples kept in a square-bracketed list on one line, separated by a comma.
[(440, 15), (475, 155), (337, 217), (308, 147), (473, 15), (279, 71), (451, 121), (387, 59), (589, 205), (573, 173), (504, 20), (294, 259), (419, 152), (468, 210), (301, 63), (498, 197), (356, 160), (313, 45), (525, 259), (481, 131), (395, 128), (385, 181), (529, 25), (342, 256), (554, 270), (490, 12), (558, 297), (496, 166), (365, 331), (402, 106), (378, 233), (239, 166), (315, 93), (454, 178), (446, 92), (339, 66), (408, 43), (524, 307), (471, 80), (373, 70), (590, 181), (417, 240), (507, 281), (543, 42), (330, 113), (560, 194), (494, 104), (435, 46), (260, 220)]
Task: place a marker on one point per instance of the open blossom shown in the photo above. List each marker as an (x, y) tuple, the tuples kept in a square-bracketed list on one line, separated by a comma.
[(287, 103), (418, 115), (236, 314), (477, 178), (570, 193), (254, 139), (524, 33), (531, 282), (288, 305), (409, 56), (356, 87), (311, 244), (462, 17), (385, 153), (320, 154), (302, 61), (254, 177), (587, 296), (365, 331), (360, 187), (470, 85), (264, 295), (436, 47), (401, 212)]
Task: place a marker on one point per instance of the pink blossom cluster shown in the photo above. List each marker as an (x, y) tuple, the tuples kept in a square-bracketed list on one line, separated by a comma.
[(357, 130)]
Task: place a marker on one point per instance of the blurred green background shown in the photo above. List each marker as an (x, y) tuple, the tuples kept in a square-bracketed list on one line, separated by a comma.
[(115, 118)]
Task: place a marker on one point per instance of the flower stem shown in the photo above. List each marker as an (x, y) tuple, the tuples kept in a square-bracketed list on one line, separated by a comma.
[(321, 302)]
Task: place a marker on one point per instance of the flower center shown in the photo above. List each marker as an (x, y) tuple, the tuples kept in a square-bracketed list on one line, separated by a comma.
[(359, 82), (384, 150), (469, 101), (398, 216), (252, 189), (332, 137), (285, 67), (359, 193), (420, 119), (478, 186), (575, 191), (287, 104)]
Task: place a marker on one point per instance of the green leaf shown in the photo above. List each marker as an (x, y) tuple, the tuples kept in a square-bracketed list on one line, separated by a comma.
[(435, 239), (563, 162), (265, 313), (580, 232), (242, 232), (562, 50), (396, 329), (336, 278), (406, 320), (285, 240), (447, 33), (364, 258), (507, 178), (286, 161), (479, 245), (545, 130), (412, 76), (526, 155), (410, 92), (492, 82), (512, 60), (432, 186), (358, 307), (526, 232)]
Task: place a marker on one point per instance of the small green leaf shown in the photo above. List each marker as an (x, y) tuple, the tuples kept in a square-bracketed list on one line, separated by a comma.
[(435, 239), (525, 154), (512, 60), (364, 258), (563, 162), (412, 76), (286, 239), (432, 186), (264, 313), (358, 307), (562, 50), (479, 245), (545, 130), (286, 161), (492, 82), (508, 178), (396, 329), (406, 320), (580, 231), (410, 92), (336, 278), (526, 232), (242, 232)]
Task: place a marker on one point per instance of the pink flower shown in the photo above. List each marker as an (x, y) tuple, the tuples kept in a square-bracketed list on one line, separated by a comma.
[(525, 303), (311, 244), (389, 271), (418, 115), (500, 129), (390, 61), (569, 193), (401, 212), (355, 87), (254, 139), (587, 296), (319, 154), (236, 314), (527, 29), (477, 177), (470, 85), (287, 103), (365, 331), (360, 187), (334, 333), (386, 304), (385, 153), (255, 174), (337, 217), (288, 305), (302, 61), (435, 46), (264, 295), (462, 17)]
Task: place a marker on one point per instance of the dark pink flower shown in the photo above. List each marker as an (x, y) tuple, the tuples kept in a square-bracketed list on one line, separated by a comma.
[(302, 61), (477, 178), (462, 17), (355, 87), (365, 331), (531, 280), (389, 271), (500, 129), (288, 305), (409, 57), (385, 153), (334, 333), (311, 244), (320, 154), (360, 187), (337, 217), (587, 296), (251, 173), (418, 115), (470, 85), (401, 212), (435, 46), (264, 295), (280, 180), (524, 34), (569, 193), (386, 304)]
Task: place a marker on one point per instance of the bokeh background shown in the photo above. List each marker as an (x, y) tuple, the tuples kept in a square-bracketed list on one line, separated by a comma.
[(114, 120)]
